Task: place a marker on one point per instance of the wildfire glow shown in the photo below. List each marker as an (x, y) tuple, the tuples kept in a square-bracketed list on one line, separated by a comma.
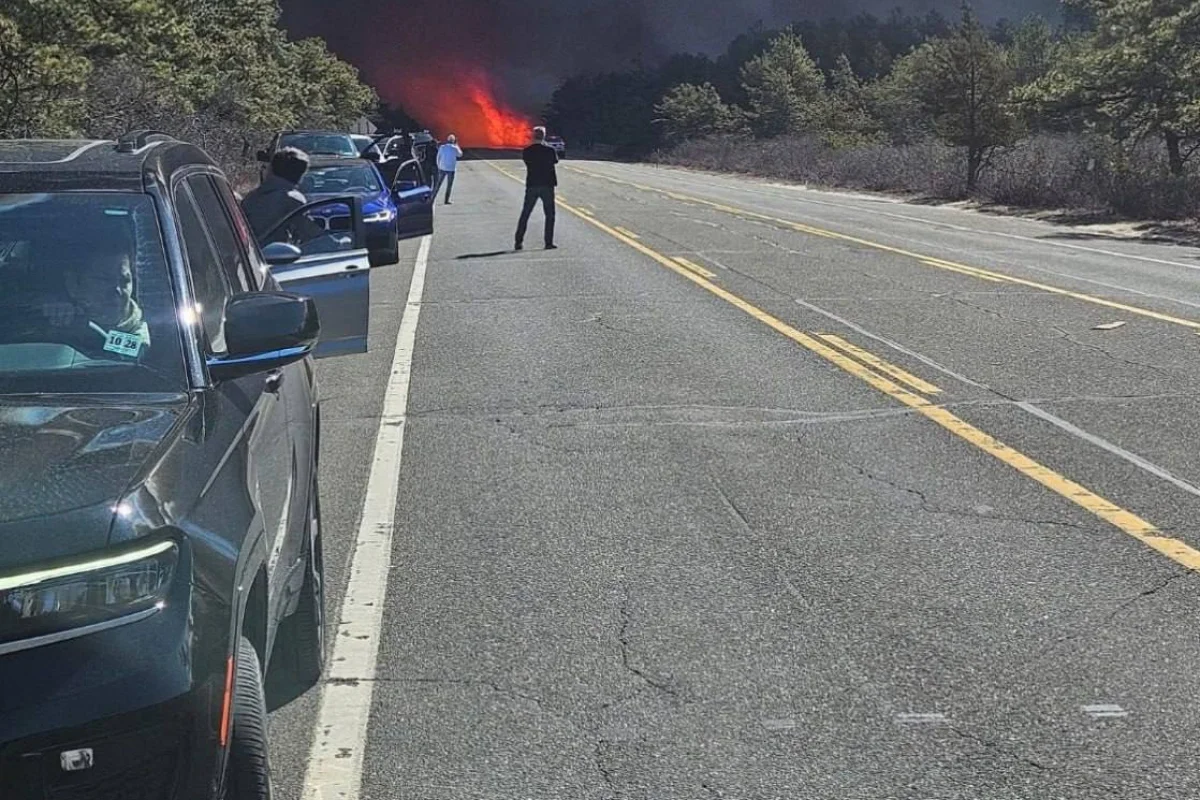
[(464, 102)]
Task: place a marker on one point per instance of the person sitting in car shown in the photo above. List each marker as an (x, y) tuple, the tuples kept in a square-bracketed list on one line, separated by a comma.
[(84, 298), (99, 316)]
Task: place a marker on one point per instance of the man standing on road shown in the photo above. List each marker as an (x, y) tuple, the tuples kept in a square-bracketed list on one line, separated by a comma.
[(279, 194), (447, 163), (541, 178)]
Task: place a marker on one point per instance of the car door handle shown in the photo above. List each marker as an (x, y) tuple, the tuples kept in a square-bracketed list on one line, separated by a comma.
[(274, 381)]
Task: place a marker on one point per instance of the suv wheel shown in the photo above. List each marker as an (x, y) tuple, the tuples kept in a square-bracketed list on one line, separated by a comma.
[(248, 769)]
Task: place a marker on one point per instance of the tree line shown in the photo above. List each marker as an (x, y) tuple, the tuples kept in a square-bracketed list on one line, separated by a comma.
[(1109, 94), (220, 73)]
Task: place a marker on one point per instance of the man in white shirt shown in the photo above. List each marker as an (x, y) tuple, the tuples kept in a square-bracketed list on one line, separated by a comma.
[(447, 163)]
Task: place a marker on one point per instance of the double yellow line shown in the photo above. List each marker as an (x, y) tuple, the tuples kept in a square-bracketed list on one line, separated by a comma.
[(888, 379), (929, 261)]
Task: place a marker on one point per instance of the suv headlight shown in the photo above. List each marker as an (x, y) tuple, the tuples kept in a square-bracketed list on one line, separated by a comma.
[(378, 216), (38, 606)]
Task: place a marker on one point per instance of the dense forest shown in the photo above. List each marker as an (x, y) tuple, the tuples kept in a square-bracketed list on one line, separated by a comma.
[(220, 73), (1099, 110)]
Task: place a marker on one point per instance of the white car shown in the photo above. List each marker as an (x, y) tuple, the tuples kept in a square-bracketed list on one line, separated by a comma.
[(558, 144)]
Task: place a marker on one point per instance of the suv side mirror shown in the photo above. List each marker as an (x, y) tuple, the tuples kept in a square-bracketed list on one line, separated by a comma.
[(265, 331), (263, 156), (278, 254)]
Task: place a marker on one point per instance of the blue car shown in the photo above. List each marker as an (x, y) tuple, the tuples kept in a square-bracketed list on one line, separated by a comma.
[(390, 213)]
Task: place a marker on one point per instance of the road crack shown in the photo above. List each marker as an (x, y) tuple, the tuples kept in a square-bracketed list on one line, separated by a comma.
[(1150, 592), (627, 656), (995, 747), (600, 756), (923, 503)]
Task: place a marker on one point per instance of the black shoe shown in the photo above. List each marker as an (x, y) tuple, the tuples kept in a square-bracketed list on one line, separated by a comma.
[(518, 246), (551, 246)]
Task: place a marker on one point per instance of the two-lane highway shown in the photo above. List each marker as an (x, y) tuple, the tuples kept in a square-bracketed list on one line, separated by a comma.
[(754, 492)]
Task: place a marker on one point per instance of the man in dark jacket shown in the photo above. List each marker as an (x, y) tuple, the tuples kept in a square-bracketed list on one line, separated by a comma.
[(541, 178), (279, 194)]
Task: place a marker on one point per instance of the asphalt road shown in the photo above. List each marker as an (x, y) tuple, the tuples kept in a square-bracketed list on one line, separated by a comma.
[(854, 502)]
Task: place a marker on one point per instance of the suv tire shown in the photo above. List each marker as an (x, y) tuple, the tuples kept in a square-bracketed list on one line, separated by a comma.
[(248, 770)]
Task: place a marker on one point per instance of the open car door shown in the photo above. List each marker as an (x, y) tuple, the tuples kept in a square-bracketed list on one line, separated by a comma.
[(414, 201), (320, 250)]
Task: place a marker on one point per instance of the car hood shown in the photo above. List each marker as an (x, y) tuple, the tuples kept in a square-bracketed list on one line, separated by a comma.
[(65, 466)]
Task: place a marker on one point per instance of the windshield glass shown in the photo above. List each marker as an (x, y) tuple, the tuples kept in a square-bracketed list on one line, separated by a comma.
[(349, 179), (320, 144), (85, 298)]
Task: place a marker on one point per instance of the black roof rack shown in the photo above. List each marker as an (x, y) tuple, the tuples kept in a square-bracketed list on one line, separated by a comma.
[(135, 140)]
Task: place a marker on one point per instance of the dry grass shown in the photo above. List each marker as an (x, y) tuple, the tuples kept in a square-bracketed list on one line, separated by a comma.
[(1076, 173)]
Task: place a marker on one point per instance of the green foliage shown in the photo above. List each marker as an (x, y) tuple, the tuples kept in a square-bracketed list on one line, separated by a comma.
[(689, 111), (962, 83), (219, 72), (1137, 72), (851, 122), (785, 89), (1032, 50), (615, 110)]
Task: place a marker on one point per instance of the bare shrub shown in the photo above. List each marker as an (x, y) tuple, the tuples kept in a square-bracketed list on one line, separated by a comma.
[(1072, 172)]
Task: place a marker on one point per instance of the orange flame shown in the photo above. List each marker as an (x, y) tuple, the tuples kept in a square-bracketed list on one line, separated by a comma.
[(464, 102)]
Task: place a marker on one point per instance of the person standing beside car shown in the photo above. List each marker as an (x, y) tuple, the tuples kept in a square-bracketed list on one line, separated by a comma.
[(279, 194), (447, 164), (540, 181)]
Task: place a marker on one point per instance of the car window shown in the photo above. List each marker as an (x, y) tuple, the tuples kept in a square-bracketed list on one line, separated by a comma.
[(86, 300), (241, 227), (317, 228), (230, 252), (349, 179), (209, 283), (320, 144), (410, 172)]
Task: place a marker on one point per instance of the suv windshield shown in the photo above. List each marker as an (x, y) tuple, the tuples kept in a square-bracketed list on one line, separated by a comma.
[(85, 297), (350, 179), (320, 143)]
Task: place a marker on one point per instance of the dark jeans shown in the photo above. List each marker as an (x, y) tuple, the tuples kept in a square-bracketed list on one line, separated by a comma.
[(532, 195), (446, 177)]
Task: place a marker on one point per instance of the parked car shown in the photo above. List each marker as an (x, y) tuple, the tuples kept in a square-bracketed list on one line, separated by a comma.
[(386, 211), (558, 144), (314, 143), (362, 142), (160, 523)]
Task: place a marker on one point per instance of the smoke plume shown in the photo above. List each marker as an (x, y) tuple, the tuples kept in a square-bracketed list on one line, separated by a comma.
[(484, 68)]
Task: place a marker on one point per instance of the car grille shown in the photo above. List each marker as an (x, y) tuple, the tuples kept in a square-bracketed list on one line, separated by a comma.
[(332, 223)]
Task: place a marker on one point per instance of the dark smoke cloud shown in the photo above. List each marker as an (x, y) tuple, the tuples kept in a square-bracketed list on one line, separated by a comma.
[(527, 46)]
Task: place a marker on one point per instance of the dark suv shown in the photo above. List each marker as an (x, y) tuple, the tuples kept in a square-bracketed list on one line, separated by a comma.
[(160, 537)]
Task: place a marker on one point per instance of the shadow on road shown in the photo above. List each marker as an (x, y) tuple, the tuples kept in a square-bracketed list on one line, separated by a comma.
[(492, 254)]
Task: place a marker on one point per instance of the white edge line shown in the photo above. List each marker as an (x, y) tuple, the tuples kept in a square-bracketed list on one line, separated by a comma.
[(1062, 424), (1037, 411), (944, 224), (1104, 444), (340, 734), (1008, 262)]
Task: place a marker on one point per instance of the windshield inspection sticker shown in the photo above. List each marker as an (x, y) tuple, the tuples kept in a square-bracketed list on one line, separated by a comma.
[(124, 344)]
